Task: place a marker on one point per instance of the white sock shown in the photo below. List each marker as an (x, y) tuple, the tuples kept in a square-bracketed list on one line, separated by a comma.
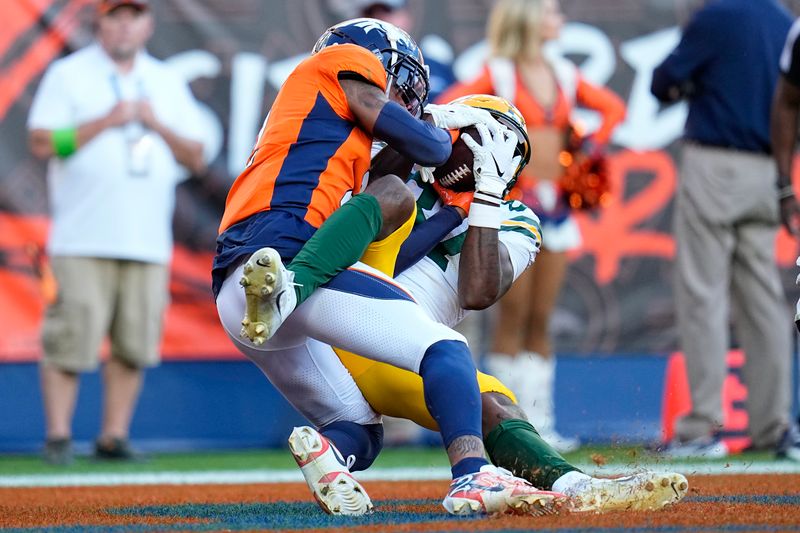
[(569, 481), (503, 367), (535, 396)]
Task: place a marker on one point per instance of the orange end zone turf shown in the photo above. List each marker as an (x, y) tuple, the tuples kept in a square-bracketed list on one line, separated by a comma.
[(714, 503)]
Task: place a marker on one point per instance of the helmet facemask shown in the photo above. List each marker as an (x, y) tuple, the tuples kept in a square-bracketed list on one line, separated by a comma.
[(407, 80)]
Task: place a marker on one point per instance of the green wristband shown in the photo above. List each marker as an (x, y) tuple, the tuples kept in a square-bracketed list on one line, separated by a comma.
[(65, 142)]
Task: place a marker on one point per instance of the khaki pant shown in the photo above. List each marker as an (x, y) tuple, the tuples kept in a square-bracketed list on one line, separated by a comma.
[(98, 297), (726, 220)]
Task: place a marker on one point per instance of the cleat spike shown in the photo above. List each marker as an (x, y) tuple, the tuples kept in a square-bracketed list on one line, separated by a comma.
[(269, 297), (260, 328)]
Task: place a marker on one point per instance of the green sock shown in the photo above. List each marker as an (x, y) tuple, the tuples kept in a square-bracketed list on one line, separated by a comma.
[(516, 446), (338, 243)]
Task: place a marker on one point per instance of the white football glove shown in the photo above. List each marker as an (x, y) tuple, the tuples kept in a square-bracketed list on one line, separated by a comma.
[(426, 173), (457, 116), (494, 163)]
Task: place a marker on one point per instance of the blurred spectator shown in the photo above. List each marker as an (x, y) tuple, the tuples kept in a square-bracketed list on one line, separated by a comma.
[(545, 89), (396, 12), (726, 219), (785, 115), (117, 125)]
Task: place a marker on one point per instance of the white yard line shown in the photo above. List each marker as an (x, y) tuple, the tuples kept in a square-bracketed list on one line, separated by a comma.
[(232, 477)]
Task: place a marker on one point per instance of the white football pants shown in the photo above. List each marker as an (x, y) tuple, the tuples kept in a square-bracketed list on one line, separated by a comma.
[(362, 311)]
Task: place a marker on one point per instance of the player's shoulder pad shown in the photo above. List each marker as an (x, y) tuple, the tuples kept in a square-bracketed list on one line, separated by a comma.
[(353, 58)]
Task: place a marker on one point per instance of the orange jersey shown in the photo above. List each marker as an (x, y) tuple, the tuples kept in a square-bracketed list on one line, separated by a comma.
[(310, 153), (600, 99)]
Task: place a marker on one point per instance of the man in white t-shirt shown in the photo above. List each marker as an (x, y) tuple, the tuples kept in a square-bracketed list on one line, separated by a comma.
[(120, 130)]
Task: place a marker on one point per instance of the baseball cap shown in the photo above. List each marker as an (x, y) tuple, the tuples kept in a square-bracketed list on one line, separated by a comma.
[(107, 6)]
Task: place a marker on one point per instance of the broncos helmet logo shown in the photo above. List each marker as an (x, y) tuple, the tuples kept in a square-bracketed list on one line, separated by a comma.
[(401, 57)]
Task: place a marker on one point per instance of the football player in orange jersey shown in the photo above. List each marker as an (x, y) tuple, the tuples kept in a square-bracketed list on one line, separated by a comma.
[(311, 155)]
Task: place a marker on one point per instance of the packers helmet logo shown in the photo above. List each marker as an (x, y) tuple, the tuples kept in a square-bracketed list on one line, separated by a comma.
[(506, 114)]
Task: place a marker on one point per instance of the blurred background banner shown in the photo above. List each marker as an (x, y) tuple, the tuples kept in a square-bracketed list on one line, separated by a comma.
[(236, 54)]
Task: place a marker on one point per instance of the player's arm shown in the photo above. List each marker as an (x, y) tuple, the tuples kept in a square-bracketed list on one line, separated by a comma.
[(46, 143), (485, 269), (418, 140)]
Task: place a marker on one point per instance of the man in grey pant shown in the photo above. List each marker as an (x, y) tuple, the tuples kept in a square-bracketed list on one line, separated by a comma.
[(726, 219)]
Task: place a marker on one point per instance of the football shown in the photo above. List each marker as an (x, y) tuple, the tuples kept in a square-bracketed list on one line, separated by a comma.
[(456, 173)]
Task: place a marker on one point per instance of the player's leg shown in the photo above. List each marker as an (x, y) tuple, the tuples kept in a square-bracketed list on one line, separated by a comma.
[(379, 322), (382, 254), (385, 205), (349, 434), (513, 443), (274, 290), (391, 391)]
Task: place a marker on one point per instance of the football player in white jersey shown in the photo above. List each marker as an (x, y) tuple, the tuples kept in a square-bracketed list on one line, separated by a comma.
[(453, 261), (452, 266)]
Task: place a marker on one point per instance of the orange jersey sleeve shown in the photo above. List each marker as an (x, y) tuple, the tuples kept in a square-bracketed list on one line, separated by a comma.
[(310, 153), (604, 101)]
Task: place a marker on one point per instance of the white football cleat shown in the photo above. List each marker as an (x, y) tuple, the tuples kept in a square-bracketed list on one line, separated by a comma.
[(494, 490), (645, 491), (269, 294), (327, 475)]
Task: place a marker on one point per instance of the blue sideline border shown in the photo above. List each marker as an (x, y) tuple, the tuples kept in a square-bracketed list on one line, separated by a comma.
[(229, 404)]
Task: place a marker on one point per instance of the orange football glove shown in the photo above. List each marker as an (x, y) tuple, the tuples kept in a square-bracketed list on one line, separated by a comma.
[(457, 199)]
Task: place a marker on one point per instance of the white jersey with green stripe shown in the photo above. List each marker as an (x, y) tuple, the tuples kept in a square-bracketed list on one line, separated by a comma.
[(434, 280)]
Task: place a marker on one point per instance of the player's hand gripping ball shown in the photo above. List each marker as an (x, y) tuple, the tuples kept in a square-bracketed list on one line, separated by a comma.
[(456, 173)]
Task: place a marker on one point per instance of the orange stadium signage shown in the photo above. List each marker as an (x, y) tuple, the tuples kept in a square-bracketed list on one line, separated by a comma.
[(622, 241)]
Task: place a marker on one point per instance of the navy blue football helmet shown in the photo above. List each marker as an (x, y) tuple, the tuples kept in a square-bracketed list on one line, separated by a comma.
[(400, 55)]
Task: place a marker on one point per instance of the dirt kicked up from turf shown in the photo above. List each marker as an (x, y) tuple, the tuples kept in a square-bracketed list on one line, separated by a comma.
[(714, 503)]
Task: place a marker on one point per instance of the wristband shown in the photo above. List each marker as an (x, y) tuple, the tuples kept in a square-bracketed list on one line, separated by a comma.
[(489, 198), (787, 191), (65, 142), (485, 216)]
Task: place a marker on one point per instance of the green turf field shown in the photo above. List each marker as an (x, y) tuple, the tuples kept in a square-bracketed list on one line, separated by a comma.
[(281, 460)]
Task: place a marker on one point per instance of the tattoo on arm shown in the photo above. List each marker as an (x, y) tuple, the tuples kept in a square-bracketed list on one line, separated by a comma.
[(370, 96), (365, 101)]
